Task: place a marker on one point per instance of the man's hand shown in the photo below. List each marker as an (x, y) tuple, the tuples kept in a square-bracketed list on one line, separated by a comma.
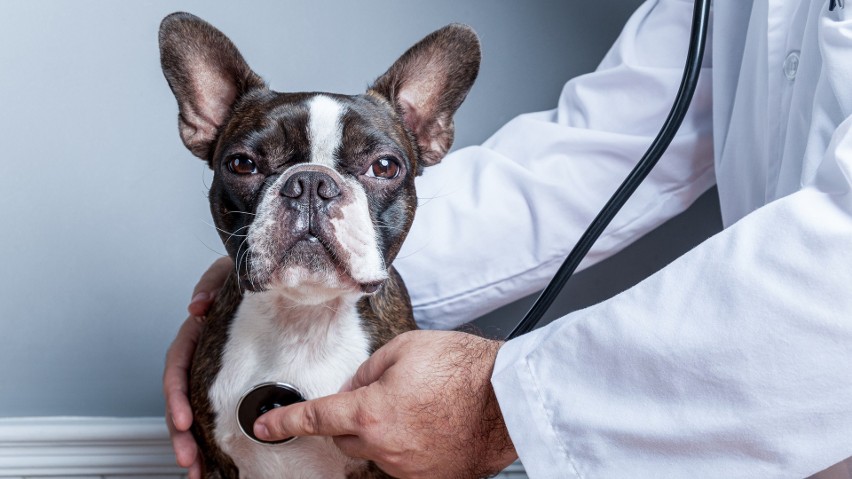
[(421, 406), (179, 361)]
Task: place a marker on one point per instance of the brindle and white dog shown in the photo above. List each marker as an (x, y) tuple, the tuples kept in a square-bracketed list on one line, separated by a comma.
[(313, 194)]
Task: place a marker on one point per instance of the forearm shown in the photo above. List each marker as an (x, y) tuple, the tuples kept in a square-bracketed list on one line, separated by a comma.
[(499, 218)]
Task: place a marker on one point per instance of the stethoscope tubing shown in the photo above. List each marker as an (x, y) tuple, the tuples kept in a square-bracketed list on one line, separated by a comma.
[(689, 82)]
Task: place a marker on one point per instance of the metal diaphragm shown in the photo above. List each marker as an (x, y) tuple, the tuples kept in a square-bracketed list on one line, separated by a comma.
[(261, 399)]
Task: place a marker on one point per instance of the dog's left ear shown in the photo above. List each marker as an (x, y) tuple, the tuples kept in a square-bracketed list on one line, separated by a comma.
[(429, 82)]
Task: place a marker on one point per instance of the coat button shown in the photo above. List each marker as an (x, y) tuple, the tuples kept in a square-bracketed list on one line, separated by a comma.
[(791, 65)]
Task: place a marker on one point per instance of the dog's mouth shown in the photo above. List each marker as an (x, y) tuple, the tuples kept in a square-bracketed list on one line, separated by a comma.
[(312, 244), (311, 265), (313, 253)]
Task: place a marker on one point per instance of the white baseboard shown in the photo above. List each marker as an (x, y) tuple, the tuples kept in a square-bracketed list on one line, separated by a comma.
[(85, 447), (96, 447)]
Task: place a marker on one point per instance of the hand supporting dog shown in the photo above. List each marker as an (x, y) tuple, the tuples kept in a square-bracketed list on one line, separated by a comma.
[(178, 363)]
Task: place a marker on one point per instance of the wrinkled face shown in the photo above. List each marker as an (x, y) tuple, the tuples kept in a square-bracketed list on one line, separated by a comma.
[(313, 193)]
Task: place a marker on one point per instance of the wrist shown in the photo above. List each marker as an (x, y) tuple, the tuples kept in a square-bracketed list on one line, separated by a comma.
[(496, 449)]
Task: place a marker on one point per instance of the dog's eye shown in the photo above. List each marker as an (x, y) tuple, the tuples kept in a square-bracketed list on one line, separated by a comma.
[(385, 167), (241, 165)]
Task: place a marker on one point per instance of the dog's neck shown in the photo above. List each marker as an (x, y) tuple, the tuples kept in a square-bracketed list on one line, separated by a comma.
[(300, 323), (295, 308)]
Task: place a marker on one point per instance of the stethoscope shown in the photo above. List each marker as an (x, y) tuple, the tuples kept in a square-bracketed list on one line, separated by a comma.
[(267, 396)]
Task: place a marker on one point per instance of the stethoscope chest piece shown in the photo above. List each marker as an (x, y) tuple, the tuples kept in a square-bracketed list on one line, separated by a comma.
[(261, 399)]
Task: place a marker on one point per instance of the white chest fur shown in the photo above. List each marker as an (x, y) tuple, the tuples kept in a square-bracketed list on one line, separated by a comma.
[(314, 348)]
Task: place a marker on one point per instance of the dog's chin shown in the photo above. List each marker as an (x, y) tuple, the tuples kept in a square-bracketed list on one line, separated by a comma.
[(308, 274), (310, 286)]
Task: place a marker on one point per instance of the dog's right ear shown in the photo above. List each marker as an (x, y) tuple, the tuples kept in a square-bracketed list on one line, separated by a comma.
[(206, 73)]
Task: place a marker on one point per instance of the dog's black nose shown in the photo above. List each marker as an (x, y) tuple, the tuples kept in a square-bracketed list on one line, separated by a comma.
[(305, 184)]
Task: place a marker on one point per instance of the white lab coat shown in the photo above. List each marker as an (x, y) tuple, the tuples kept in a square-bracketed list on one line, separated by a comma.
[(736, 359)]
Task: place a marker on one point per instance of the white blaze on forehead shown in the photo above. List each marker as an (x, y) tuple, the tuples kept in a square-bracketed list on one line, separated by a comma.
[(325, 129)]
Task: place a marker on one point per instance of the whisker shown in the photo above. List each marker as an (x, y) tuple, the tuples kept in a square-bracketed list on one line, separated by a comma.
[(248, 269), (425, 200), (392, 228), (235, 234), (381, 224), (239, 259), (412, 253), (203, 243), (230, 235), (204, 182)]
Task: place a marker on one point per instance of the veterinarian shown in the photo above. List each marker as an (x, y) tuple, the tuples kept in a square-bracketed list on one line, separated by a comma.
[(733, 361)]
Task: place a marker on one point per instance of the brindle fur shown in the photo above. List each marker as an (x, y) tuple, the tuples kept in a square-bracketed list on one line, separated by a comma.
[(385, 314), (205, 367), (388, 312)]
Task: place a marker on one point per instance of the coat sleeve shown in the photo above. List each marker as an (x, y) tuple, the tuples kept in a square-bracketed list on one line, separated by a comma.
[(501, 217), (733, 361)]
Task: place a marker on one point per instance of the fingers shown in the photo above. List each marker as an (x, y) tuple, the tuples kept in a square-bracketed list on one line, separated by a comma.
[(176, 374), (178, 363), (335, 415), (186, 450), (209, 284)]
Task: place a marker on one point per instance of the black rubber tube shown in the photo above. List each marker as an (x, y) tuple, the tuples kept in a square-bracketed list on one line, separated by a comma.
[(695, 56)]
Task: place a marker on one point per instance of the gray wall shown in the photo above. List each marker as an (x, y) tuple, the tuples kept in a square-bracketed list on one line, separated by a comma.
[(104, 215)]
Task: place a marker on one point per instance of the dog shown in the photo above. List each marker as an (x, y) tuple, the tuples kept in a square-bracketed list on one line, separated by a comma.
[(312, 195)]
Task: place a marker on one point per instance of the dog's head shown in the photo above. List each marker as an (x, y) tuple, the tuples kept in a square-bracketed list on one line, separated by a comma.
[(313, 193)]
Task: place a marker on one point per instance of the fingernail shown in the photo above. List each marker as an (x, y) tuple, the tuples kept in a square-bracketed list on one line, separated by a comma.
[(174, 422), (261, 432), (202, 296)]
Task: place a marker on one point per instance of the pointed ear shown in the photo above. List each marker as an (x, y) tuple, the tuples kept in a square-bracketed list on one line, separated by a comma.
[(206, 73), (429, 82)]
